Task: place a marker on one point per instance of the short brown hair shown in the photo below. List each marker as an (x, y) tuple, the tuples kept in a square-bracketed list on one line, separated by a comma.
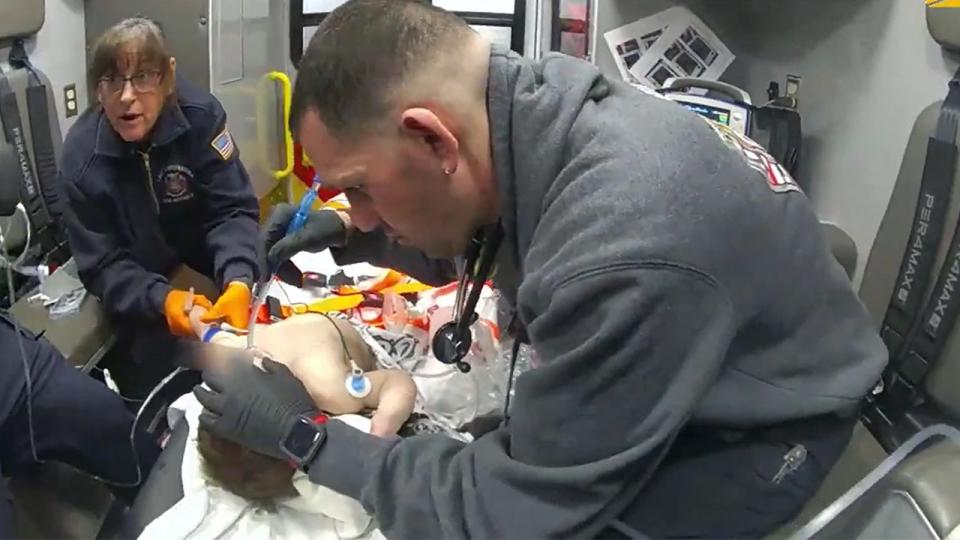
[(144, 34), (260, 479), (362, 51)]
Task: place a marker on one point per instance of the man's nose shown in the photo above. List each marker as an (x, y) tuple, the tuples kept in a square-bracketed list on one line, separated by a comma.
[(362, 214)]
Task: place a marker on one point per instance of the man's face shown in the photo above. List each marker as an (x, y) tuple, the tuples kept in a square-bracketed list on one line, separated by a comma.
[(133, 97), (396, 181)]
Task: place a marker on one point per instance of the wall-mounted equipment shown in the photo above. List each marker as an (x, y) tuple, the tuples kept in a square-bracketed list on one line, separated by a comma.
[(774, 125), (723, 103)]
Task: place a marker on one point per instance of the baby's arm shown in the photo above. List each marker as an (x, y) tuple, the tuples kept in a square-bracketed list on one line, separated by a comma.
[(226, 339), (393, 395)]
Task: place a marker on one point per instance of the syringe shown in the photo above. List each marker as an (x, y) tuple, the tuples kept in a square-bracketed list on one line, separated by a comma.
[(296, 223)]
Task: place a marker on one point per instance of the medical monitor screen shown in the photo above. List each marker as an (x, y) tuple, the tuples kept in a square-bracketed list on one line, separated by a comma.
[(716, 114)]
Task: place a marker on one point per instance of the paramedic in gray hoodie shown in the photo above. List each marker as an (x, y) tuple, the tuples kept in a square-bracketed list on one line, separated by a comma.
[(701, 354)]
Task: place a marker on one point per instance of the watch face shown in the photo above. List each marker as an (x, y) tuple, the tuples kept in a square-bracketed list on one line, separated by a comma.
[(302, 439)]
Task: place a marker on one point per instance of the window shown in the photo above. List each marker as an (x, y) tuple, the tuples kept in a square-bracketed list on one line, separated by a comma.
[(321, 6), (571, 27), (502, 21), (491, 6)]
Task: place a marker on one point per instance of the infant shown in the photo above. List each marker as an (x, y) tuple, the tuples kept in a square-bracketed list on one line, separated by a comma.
[(338, 370)]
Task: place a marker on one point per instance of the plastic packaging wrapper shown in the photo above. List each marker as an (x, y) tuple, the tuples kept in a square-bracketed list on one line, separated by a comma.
[(447, 395), (68, 304)]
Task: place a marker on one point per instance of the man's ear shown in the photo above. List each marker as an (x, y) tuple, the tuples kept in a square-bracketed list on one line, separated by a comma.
[(430, 129)]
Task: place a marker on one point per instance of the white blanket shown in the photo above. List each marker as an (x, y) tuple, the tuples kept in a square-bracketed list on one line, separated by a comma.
[(208, 511)]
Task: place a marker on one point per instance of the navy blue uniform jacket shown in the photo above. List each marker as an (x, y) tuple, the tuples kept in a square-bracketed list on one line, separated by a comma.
[(135, 212)]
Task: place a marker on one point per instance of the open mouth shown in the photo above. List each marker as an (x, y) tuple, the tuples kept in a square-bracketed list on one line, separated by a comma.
[(131, 117)]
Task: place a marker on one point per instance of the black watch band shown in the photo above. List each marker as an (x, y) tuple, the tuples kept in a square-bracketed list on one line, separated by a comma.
[(303, 440)]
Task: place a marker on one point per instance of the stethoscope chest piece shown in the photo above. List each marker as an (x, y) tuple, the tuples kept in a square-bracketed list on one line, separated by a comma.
[(452, 341), (450, 345)]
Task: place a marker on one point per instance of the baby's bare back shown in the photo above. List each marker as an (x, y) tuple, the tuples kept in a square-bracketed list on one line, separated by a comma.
[(311, 347)]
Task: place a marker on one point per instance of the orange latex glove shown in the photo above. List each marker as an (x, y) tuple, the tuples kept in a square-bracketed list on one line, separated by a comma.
[(233, 306), (176, 308)]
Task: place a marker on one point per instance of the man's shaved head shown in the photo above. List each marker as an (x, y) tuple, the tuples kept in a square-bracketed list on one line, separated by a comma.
[(364, 53), (390, 105)]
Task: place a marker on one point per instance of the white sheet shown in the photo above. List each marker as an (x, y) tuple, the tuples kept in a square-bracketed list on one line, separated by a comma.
[(208, 511)]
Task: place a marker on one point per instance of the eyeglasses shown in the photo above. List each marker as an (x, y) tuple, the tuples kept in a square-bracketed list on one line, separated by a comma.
[(142, 82)]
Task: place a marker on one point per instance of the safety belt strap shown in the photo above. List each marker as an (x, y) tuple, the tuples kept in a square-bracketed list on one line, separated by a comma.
[(13, 131), (943, 305), (914, 351), (901, 319), (39, 112)]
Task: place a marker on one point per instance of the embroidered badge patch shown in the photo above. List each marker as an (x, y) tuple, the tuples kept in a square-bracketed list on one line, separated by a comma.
[(223, 144), (175, 180), (757, 158)]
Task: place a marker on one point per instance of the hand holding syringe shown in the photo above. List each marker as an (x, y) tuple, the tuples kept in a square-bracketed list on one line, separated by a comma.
[(296, 223)]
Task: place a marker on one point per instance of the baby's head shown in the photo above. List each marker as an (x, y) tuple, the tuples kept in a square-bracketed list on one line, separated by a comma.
[(257, 478)]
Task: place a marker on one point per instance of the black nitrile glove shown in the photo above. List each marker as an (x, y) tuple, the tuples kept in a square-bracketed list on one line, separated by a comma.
[(250, 406), (323, 229)]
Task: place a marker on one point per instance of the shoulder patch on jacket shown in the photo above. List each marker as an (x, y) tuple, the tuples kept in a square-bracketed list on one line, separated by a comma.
[(223, 144), (757, 158)]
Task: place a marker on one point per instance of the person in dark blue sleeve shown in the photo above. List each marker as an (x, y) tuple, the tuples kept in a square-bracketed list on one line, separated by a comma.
[(51, 411), (153, 181)]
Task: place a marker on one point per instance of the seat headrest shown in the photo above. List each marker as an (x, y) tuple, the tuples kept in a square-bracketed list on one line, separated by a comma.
[(21, 18), (943, 22)]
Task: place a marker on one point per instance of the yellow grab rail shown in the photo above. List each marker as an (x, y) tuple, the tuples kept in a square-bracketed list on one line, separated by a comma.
[(287, 90)]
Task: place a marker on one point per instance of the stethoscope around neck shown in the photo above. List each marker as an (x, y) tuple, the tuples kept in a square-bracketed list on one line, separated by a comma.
[(452, 341)]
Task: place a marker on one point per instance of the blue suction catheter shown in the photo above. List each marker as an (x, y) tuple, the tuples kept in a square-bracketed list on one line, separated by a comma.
[(300, 218)]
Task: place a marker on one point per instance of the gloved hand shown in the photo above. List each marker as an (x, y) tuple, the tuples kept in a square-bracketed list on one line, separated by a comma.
[(233, 306), (176, 309), (250, 406), (323, 229)]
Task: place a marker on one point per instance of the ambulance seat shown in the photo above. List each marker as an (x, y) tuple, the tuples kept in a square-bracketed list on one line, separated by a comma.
[(46, 211), (883, 264), (842, 246), (913, 492), (920, 497)]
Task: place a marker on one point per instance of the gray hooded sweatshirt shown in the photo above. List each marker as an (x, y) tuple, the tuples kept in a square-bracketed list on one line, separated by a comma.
[(667, 272)]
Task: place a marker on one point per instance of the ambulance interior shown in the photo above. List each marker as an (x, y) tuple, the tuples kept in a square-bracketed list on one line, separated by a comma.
[(853, 97)]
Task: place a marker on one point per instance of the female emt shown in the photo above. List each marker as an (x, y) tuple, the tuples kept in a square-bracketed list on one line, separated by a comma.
[(153, 181)]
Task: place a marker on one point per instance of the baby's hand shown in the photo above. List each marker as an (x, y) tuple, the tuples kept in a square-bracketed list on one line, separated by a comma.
[(195, 323), (383, 424), (394, 396)]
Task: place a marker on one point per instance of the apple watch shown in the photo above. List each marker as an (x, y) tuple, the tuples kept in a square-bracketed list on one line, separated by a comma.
[(304, 439)]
